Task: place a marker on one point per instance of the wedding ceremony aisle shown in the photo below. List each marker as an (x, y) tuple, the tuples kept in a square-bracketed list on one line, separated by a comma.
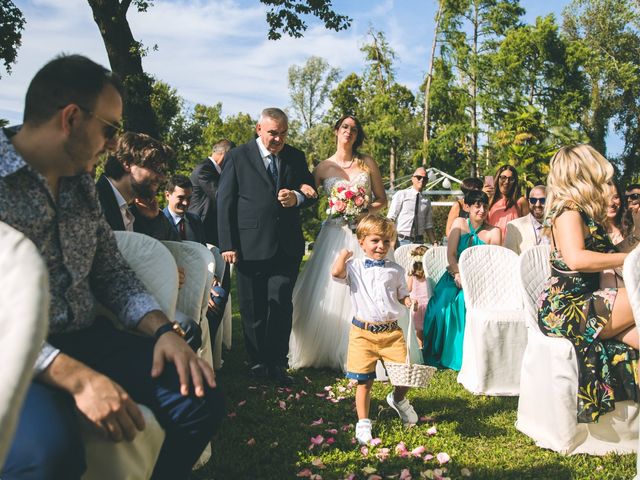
[(307, 431)]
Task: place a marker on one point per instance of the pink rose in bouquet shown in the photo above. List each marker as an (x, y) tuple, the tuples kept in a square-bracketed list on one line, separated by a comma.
[(347, 201)]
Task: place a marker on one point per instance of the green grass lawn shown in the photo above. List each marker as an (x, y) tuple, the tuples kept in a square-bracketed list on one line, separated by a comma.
[(268, 432)]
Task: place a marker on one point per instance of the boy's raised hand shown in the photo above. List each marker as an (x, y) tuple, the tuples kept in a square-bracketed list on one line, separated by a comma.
[(339, 269), (345, 254)]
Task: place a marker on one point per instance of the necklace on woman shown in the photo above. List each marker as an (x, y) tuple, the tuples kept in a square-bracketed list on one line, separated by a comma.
[(342, 165)]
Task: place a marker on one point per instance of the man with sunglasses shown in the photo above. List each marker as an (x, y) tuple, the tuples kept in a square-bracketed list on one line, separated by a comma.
[(412, 212), (87, 370), (525, 232), (632, 195)]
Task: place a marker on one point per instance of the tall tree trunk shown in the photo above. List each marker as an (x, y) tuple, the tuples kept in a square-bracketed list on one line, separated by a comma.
[(427, 88), (596, 127), (474, 95), (125, 60), (392, 166)]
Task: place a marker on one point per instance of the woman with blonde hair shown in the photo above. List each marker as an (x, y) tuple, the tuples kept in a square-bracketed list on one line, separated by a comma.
[(321, 307), (598, 321)]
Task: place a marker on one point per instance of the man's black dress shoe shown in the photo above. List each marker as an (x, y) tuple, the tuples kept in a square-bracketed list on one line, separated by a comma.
[(259, 371), (279, 376)]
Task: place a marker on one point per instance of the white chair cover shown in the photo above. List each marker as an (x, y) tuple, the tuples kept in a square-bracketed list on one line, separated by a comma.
[(402, 255), (631, 274), (549, 383), (223, 336), (435, 264), (193, 297), (24, 319), (135, 460), (495, 334)]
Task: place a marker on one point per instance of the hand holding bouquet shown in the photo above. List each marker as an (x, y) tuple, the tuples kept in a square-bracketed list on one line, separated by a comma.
[(347, 201)]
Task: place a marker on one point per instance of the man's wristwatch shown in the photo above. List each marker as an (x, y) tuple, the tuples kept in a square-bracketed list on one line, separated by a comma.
[(169, 327)]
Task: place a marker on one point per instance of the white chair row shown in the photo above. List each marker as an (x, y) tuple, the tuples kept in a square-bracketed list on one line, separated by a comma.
[(155, 263), (24, 319), (549, 377)]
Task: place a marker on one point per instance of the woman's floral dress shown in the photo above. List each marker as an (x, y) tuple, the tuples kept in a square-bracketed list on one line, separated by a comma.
[(574, 306)]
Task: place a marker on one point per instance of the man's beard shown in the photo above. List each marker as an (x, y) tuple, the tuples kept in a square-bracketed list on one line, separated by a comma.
[(142, 189)]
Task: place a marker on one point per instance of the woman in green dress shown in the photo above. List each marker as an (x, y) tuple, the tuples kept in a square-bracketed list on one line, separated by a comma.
[(597, 321), (444, 319)]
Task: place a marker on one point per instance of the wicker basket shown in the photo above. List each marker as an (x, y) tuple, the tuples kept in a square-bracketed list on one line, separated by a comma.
[(409, 374)]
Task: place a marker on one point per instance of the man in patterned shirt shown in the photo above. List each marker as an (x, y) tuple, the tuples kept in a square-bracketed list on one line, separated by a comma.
[(72, 114)]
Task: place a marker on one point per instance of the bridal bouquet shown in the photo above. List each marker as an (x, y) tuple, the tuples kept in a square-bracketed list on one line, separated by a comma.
[(347, 201)]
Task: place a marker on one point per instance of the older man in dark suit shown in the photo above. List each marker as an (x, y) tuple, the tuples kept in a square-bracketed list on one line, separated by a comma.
[(259, 230), (205, 178)]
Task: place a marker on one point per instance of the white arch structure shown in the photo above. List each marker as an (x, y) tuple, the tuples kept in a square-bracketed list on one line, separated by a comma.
[(436, 178)]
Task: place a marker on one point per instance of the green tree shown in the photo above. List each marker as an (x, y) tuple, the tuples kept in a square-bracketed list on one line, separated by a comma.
[(11, 26), (346, 98), (309, 87), (603, 36), (472, 30)]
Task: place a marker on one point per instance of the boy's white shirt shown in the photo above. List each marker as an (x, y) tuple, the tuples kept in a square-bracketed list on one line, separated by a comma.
[(375, 291)]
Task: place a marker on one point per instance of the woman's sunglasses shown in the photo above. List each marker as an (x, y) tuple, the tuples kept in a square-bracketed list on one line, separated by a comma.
[(633, 197), (534, 200)]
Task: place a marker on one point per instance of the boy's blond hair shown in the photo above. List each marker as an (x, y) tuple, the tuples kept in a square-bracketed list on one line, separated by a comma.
[(376, 225)]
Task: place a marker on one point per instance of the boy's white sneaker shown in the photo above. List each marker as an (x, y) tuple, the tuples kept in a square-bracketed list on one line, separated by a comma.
[(363, 431), (404, 409)]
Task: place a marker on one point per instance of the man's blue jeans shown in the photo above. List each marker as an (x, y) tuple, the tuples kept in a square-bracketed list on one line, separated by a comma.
[(47, 444)]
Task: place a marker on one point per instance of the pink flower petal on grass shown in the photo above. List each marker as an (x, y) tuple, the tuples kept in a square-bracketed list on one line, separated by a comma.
[(383, 454), (332, 431), (364, 451), (231, 414), (405, 474), (375, 442), (374, 477), (315, 476), (304, 473), (443, 458), (346, 428), (317, 440), (418, 451), (401, 450), (428, 457), (317, 462), (251, 442), (432, 431), (331, 441), (242, 403), (317, 422), (320, 395), (328, 388), (351, 476), (282, 404)]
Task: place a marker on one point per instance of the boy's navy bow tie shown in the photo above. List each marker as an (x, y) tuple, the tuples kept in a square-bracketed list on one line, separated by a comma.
[(373, 263)]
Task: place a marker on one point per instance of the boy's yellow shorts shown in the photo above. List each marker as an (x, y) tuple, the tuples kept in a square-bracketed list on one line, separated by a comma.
[(366, 348)]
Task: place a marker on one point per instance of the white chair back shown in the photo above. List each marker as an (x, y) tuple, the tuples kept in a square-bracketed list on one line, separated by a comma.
[(535, 269), (489, 276), (435, 264), (402, 255), (154, 265), (631, 273), (24, 316)]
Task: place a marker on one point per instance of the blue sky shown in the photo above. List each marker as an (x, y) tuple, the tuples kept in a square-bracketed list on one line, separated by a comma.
[(217, 51)]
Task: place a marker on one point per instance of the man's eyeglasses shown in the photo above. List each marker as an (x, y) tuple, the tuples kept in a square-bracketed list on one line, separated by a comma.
[(110, 129), (535, 200), (504, 178), (419, 177), (634, 197)]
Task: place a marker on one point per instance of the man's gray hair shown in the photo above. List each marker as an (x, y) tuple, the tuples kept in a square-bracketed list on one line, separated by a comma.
[(223, 145), (540, 187), (275, 114)]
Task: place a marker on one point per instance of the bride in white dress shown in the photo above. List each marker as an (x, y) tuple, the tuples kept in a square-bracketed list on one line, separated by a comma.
[(322, 310)]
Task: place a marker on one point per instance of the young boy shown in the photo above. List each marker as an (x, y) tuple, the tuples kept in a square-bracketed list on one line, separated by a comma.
[(378, 287)]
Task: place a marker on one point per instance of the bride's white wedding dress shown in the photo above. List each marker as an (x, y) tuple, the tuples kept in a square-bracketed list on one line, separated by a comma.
[(322, 309)]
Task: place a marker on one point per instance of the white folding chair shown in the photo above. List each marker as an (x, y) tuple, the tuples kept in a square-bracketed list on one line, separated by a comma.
[(24, 317), (156, 268), (402, 255), (223, 336), (495, 333), (549, 383), (435, 264), (631, 274)]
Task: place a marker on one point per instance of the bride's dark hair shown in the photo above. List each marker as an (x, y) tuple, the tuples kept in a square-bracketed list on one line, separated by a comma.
[(360, 137)]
